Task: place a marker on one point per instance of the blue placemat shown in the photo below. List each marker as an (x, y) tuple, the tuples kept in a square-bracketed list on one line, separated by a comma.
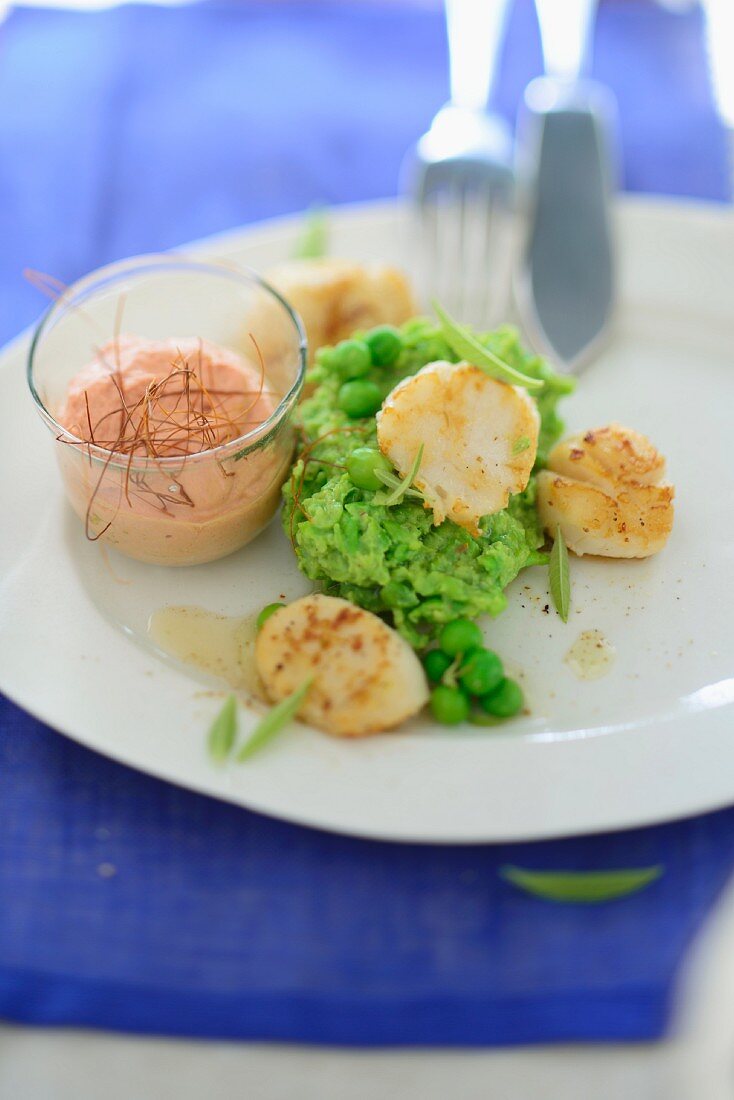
[(127, 903)]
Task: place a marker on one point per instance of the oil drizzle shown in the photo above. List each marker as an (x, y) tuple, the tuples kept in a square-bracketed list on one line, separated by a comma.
[(591, 655), (223, 646)]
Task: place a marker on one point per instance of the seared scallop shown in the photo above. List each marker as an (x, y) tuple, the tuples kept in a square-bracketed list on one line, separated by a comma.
[(604, 488), (479, 439), (337, 297), (366, 678)]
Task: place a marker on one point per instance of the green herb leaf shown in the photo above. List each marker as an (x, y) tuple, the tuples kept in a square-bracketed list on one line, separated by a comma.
[(393, 482), (449, 676), (314, 240), (581, 887), (274, 721), (466, 346), (223, 731), (402, 488), (558, 576), (521, 444)]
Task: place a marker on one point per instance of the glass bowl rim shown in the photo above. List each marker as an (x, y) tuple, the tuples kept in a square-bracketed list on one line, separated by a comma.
[(152, 261)]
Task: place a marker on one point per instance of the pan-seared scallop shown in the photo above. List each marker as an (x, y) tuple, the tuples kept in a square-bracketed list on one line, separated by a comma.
[(366, 678), (479, 439), (604, 488), (337, 297)]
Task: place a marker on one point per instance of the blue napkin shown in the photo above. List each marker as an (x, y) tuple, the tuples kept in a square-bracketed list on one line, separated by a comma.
[(130, 904)]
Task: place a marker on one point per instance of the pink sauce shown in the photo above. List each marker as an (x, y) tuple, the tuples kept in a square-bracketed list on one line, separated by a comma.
[(165, 397), (159, 407)]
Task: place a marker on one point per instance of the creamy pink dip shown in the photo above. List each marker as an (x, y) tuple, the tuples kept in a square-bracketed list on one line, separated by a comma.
[(159, 407), (165, 397)]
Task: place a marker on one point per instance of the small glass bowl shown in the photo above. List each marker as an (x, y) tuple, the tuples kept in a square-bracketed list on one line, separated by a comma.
[(172, 510)]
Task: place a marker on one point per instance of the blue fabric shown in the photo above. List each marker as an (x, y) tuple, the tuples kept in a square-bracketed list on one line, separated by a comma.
[(128, 903)]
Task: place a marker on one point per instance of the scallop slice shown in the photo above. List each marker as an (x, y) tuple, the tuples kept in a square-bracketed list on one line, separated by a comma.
[(336, 297), (604, 489), (366, 677), (479, 439)]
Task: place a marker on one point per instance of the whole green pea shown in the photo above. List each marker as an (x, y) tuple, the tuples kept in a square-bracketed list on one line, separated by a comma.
[(436, 662), (460, 636), (328, 358), (362, 464), (505, 701), (481, 671), (449, 705), (385, 345), (352, 358), (359, 398)]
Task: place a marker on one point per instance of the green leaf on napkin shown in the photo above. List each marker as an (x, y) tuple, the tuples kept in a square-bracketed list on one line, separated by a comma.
[(274, 721), (314, 240), (223, 731), (581, 887), (559, 576)]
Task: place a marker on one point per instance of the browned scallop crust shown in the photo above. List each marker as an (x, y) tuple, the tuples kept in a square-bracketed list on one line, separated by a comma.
[(609, 457), (366, 677), (604, 489)]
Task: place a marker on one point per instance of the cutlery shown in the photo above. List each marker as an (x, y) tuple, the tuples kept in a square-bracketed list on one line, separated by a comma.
[(461, 176), (565, 289)]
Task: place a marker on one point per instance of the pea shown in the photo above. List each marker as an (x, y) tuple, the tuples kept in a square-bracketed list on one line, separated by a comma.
[(266, 612), (435, 663), (362, 464), (460, 636), (359, 398), (505, 701), (384, 345), (352, 358), (328, 358), (449, 705), (480, 672)]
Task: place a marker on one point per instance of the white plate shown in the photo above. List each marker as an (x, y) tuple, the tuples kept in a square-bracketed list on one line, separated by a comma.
[(653, 740)]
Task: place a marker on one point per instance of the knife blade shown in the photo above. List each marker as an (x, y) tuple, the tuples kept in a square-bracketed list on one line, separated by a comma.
[(565, 287)]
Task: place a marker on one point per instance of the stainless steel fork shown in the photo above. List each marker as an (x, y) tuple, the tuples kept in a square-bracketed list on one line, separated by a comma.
[(460, 177)]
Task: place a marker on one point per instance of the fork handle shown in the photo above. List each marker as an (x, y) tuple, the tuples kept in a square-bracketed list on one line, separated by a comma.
[(565, 33), (475, 30)]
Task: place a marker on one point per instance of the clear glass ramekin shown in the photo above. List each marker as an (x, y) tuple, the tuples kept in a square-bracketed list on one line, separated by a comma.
[(172, 510)]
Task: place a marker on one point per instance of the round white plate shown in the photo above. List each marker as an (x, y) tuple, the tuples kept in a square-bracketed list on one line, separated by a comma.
[(653, 740)]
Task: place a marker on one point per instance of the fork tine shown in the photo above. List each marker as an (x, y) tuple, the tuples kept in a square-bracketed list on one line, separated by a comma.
[(462, 249), (475, 255), (462, 215), (447, 246)]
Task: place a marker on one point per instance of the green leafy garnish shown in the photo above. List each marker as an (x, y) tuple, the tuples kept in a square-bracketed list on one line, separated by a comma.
[(404, 487), (274, 721), (464, 344), (558, 576), (223, 731), (581, 887), (392, 481), (521, 444), (314, 239)]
